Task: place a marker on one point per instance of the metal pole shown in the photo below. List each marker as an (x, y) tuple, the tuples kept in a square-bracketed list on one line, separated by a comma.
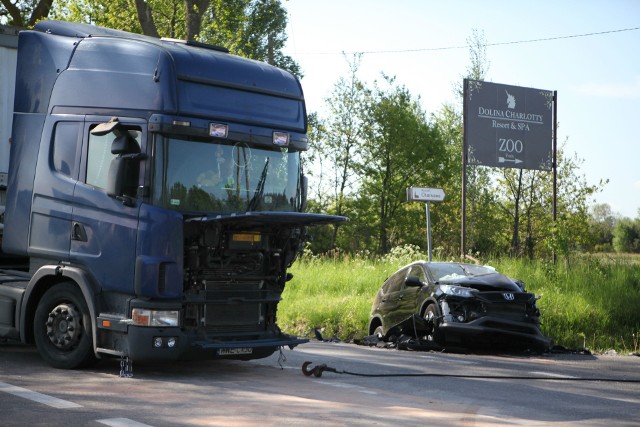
[(463, 232), (428, 204), (555, 163)]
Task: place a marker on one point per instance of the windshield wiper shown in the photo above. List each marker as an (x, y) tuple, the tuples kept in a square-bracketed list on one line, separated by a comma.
[(253, 203)]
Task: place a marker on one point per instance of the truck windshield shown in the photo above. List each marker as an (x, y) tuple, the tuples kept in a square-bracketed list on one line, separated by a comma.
[(195, 176)]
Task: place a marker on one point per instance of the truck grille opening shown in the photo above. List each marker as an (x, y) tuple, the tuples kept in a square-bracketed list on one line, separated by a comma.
[(233, 314)]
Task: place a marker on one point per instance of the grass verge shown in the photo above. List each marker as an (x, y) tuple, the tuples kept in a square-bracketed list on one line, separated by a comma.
[(592, 302)]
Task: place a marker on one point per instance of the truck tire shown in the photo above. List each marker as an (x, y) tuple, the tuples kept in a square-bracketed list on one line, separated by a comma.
[(62, 328)]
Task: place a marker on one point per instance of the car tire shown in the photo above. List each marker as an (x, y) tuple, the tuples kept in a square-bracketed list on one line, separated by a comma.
[(431, 316), (62, 328), (379, 332)]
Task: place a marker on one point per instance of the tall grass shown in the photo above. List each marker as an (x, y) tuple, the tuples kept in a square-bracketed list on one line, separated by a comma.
[(593, 302)]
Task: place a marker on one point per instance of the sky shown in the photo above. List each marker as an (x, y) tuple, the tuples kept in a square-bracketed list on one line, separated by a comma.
[(586, 50)]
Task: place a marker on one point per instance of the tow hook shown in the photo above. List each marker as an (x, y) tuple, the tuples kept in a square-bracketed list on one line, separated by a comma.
[(316, 371)]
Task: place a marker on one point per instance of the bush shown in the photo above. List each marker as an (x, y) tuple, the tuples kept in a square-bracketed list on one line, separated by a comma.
[(626, 236)]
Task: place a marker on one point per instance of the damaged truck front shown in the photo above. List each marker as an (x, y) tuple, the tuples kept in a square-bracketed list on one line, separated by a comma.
[(155, 194)]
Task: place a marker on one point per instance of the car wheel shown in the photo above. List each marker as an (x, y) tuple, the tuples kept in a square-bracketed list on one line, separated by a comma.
[(62, 328), (379, 332), (431, 316)]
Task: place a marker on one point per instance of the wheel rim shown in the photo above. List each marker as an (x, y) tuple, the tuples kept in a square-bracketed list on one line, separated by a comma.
[(63, 326), (430, 317), (378, 332)]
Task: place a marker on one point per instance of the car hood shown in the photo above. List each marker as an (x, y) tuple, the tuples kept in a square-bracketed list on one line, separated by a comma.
[(485, 282)]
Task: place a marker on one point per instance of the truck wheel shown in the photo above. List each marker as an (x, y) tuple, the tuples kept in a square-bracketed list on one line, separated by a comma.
[(62, 328)]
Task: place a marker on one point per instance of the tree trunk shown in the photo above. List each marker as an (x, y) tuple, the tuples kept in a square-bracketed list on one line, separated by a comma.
[(41, 11), (146, 19), (270, 53), (515, 239), (195, 10)]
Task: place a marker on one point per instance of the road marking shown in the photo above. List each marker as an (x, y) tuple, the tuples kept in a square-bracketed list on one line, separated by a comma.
[(549, 374), (37, 397), (449, 360), (122, 422)]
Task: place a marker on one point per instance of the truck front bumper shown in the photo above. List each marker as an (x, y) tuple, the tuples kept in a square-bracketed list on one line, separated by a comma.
[(149, 344)]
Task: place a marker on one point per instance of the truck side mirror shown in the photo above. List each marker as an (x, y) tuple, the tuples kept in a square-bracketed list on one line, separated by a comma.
[(115, 179), (122, 180)]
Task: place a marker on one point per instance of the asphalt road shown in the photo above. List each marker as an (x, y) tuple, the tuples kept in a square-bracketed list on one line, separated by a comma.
[(489, 390)]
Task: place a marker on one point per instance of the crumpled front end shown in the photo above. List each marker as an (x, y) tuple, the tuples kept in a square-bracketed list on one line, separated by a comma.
[(234, 275), (495, 317)]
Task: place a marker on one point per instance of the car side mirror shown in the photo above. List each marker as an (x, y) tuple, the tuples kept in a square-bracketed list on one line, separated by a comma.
[(413, 281)]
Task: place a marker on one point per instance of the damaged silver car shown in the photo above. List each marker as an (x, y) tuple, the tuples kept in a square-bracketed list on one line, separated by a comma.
[(457, 304)]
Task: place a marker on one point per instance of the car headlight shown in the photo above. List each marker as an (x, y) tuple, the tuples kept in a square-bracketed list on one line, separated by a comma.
[(458, 291), (146, 317)]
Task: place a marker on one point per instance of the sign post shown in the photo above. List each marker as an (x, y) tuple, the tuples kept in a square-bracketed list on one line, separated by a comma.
[(427, 195)]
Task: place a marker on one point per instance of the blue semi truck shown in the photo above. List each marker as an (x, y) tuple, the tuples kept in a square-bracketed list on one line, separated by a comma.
[(152, 196)]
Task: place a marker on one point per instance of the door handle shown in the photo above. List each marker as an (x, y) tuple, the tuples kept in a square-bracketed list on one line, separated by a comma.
[(78, 232)]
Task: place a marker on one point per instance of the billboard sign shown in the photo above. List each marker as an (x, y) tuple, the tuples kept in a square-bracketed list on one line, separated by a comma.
[(508, 126)]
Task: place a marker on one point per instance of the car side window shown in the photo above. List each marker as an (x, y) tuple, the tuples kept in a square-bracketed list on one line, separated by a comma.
[(395, 282), (418, 272)]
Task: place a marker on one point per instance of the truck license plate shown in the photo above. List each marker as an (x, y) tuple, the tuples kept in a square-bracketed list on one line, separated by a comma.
[(234, 351)]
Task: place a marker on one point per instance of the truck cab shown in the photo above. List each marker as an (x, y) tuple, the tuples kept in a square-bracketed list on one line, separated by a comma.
[(156, 194)]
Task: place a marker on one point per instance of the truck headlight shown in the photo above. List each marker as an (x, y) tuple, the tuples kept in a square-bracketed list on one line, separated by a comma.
[(146, 317)]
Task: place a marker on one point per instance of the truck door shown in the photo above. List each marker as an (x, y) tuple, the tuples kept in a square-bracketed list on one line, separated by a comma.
[(53, 187), (104, 228)]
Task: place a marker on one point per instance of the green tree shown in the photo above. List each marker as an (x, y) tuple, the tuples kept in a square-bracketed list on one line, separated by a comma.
[(521, 194), (482, 233), (254, 29), (24, 13), (447, 214), (114, 14), (571, 231), (401, 150), (602, 221), (343, 137), (626, 236)]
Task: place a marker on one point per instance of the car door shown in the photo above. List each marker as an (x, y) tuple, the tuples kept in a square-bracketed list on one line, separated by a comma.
[(407, 296), (391, 298)]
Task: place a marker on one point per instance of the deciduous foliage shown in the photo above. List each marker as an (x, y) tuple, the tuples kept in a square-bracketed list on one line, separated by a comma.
[(509, 211), (254, 29), (338, 150), (376, 143), (626, 235), (401, 150), (602, 222), (24, 13)]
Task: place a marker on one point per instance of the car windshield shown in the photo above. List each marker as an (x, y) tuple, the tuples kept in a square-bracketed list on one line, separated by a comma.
[(211, 177), (452, 271)]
